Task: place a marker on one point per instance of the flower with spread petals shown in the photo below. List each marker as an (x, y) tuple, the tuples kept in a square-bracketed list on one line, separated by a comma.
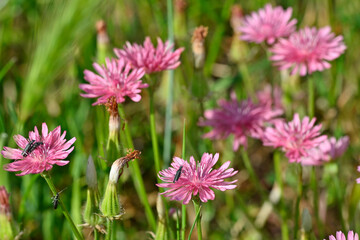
[(115, 79), (195, 178), (358, 179), (341, 236), (327, 150), (150, 58), (242, 119), (51, 148), (295, 138), (268, 24), (308, 50)]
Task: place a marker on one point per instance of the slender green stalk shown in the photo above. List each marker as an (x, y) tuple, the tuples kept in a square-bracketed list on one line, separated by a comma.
[(248, 82), (136, 176), (183, 206), (154, 140), (311, 97), (65, 212), (110, 228), (314, 186), (251, 172), (298, 199), (169, 102), (197, 221), (96, 234), (278, 176), (177, 225)]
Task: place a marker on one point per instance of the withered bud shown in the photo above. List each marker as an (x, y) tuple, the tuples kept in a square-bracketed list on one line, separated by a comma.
[(236, 18), (112, 106), (117, 166), (180, 5), (198, 47), (114, 120), (102, 36)]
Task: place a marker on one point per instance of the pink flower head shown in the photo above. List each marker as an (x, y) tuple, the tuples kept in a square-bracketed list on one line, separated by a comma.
[(308, 50), (241, 119), (358, 179), (150, 58), (4, 202), (295, 138), (116, 79), (341, 236), (268, 24), (327, 150), (196, 178), (52, 150)]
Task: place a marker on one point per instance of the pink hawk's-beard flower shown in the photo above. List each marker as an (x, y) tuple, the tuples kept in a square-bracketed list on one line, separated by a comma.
[(196, 178), (295, 138), (52, 151), (307, 50), (242, 119), (150, 58), (327, 150), (268, 24), (116, 79), (341, 236)]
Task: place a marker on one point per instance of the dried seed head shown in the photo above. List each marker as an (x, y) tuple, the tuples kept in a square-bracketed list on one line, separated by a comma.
[(180, 5), (198, 47), (117, 166)]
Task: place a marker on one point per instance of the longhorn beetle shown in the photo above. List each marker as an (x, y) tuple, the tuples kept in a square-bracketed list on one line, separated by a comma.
[(30, 147), (178, 173), (56, 198)]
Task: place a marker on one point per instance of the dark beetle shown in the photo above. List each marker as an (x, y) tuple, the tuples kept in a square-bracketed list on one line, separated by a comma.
[(56, 199), (26, 152), (178, 173)]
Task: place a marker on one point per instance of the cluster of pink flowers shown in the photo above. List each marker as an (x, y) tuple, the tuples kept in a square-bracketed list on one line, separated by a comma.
[(242, 119), (305, 51), (341, 236), (122, 77), (196, 179), (52, 150)]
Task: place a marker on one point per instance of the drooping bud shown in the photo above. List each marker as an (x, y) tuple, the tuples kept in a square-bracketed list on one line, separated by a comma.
[(198, 46), (6, 231), (111, 206)]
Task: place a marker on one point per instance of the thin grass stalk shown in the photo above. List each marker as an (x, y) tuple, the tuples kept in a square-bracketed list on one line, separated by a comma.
[(183, 206), (169, 102), (278, 177), (136, 176), (311, 97), (177, 225), (154, 140), (64, 210), (315, 189), (298, 199), (251, 172), (197, 221)]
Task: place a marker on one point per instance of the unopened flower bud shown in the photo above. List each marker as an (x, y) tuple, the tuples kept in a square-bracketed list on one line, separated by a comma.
[(102, 40), (198, 47), (5, 215), (161, 226), (91, 176), (306, 220)]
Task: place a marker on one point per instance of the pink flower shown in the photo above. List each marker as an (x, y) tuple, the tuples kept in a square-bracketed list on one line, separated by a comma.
[(150, 58), (51, 150), (4, 202), (196, 178), (358, 179), (117, 79), (268, 24), (341, 236), (327, 150), (308, 50), (241, 119), (295, 138)]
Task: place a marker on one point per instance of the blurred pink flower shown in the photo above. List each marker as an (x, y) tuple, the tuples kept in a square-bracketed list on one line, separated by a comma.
[(308, 50), (4, 202), (53, 149), (242, 119), (327, 150), (268, 24), (341, 236), (295, 138), (150, 58), (196, 178), (117, 79)]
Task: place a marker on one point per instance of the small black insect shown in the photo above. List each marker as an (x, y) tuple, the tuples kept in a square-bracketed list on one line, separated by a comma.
[(56, 199), (30, 147), (178, 173)]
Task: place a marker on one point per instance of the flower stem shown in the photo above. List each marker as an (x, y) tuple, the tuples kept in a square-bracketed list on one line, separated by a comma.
[(110, 226), (278, 176), (311, 97), (96, 234), (183, 206), (197, 221), (65, 212), (298, 199), (314, 186), (169, 102), (136, 176), (251, 172)]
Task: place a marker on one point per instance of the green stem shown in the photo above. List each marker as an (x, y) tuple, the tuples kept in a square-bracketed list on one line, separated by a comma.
[(248, 82), (65, 212), (197, 221), (311, 100), (169, 102), (278, 176), (96, 234), (183, 206), (136, 176), (314, 186), (154, 140), (110, 226), (298, 199), (251, 172)]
